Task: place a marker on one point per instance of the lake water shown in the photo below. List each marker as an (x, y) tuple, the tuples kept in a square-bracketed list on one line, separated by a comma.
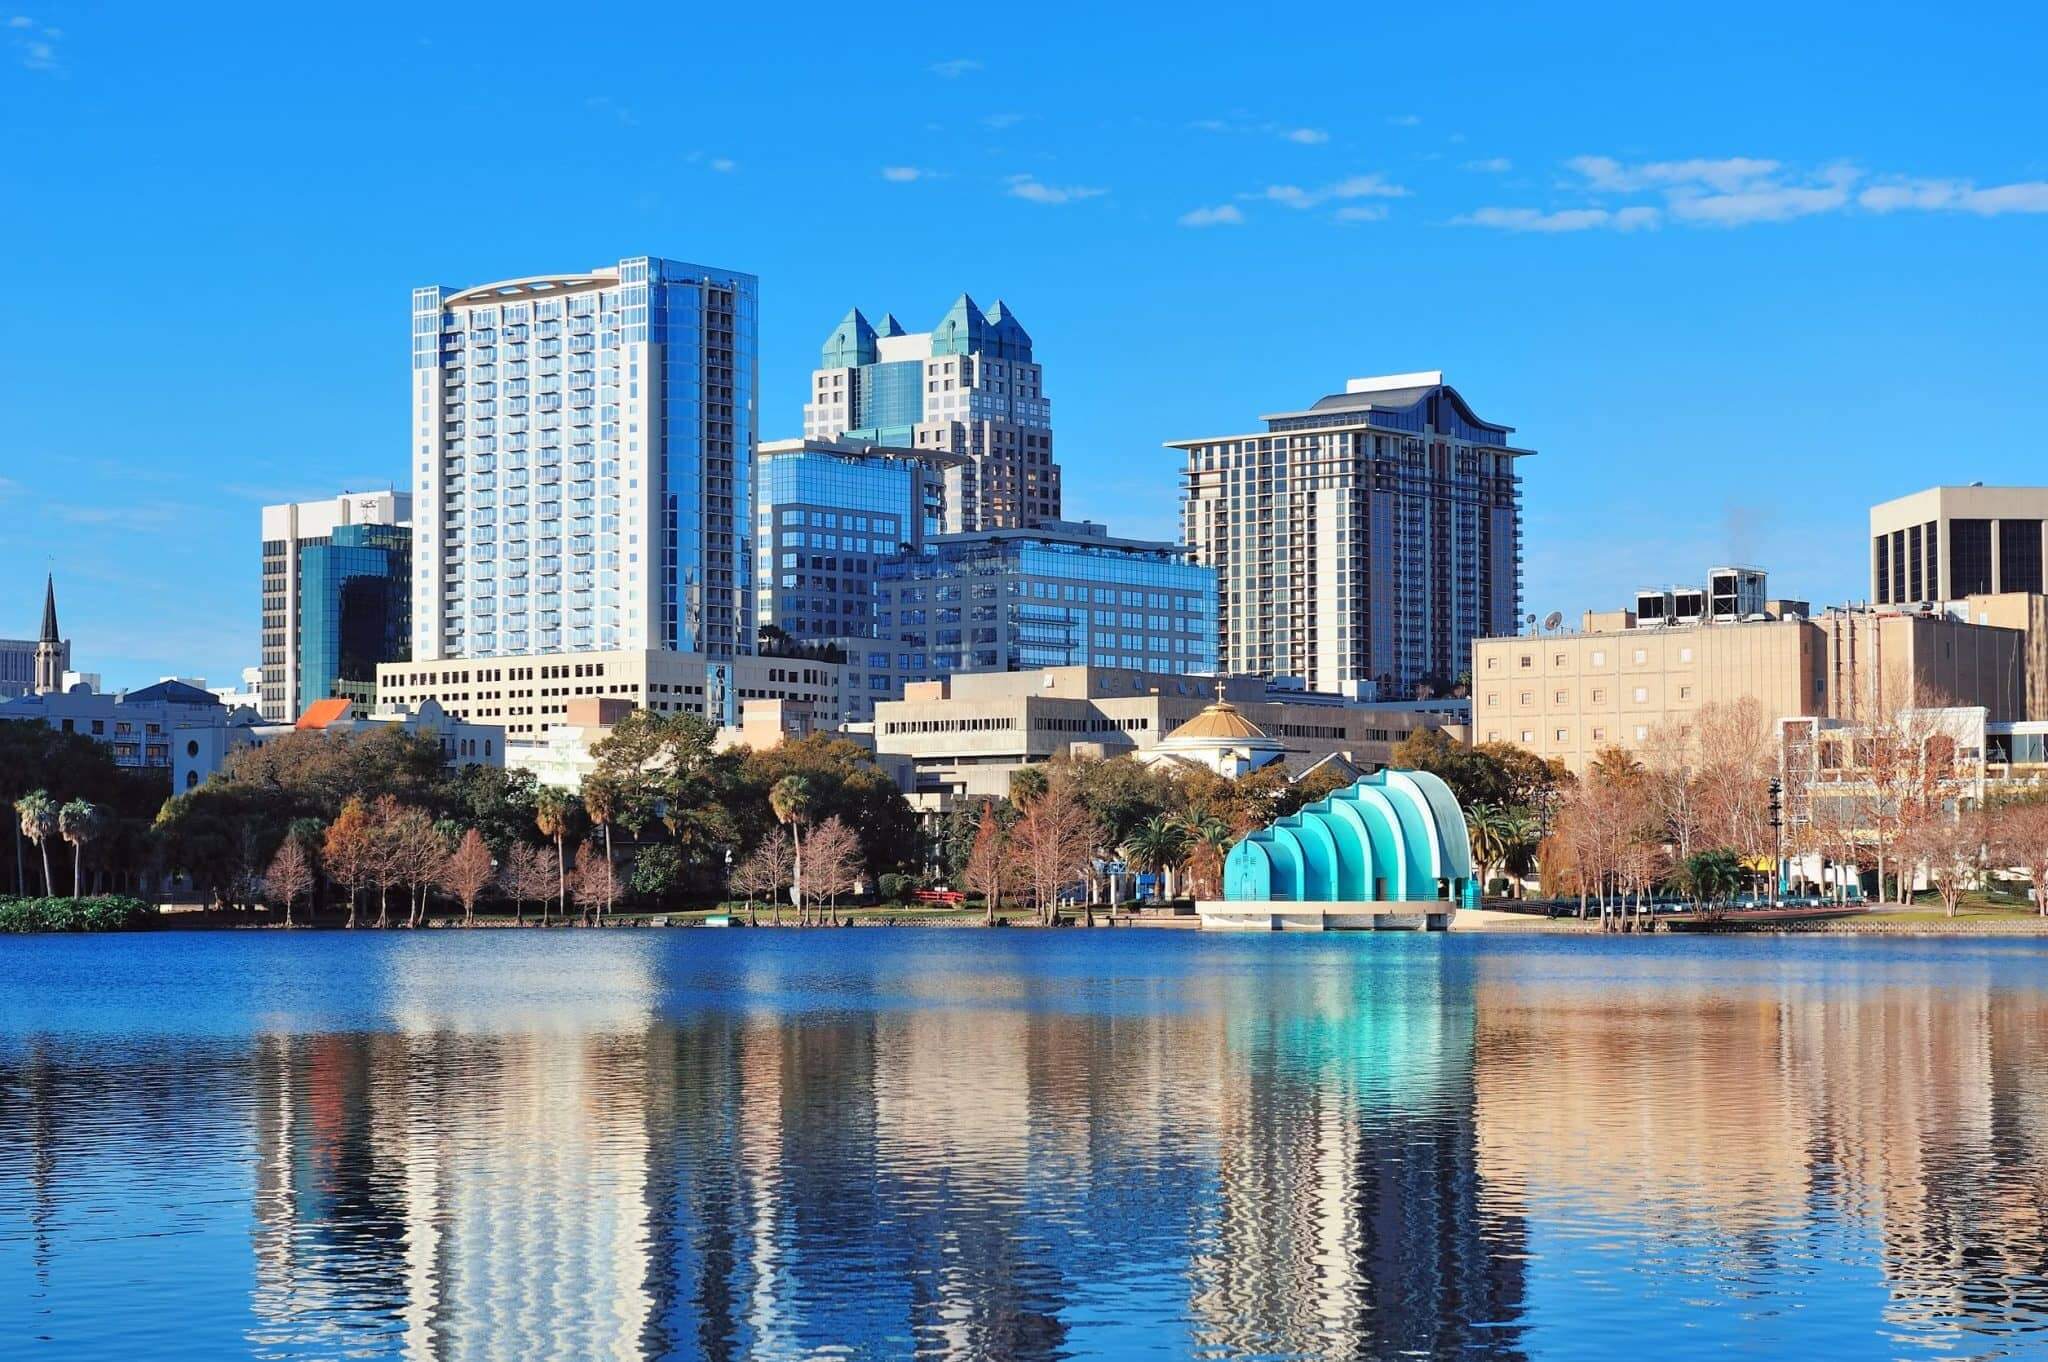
[(966, 1144)]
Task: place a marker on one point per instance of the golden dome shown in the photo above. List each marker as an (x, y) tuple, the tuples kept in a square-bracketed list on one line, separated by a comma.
[(1219, 722)]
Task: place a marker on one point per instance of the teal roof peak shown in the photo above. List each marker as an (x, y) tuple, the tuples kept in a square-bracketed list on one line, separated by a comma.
[(851, 343)]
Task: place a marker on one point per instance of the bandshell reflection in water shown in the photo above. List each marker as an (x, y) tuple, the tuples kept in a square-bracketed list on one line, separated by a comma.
[(974, 1145)]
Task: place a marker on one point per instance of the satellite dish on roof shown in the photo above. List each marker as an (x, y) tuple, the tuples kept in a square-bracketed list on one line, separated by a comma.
[(1553, 619)]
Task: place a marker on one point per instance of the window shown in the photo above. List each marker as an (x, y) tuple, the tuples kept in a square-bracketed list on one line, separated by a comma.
[(1490, 663), (1641, 695), (1558, 660), (1641, 732), (1527, 661), (1599, 735), (1599, 696), (1528, 697), (1493, 699), (1560, 698), (1685, 692), (1560, 735), (1528, 738), (1639, 657), (1599, 657), (1685, 654)]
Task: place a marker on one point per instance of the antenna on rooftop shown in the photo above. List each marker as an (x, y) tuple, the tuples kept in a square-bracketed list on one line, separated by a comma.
[(1552, 620)]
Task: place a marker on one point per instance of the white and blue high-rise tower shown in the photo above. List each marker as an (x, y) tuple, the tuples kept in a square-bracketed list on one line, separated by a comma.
[(583, 461)]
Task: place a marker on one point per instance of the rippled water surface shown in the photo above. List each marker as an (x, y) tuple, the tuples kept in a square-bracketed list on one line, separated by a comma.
[(879, 1144)]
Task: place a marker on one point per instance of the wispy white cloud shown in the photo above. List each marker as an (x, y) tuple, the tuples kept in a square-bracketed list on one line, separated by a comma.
[(1955, 196), (1737, 191), (1029, 188), (1241, 123), (1001, 121), (1405, 121), (1373, 186), (1361, 212), (34, 44), (606, 104), (1308, 137), (1222, 215), (955, 67), (724, 165), (1563, 220), (1491, 165), (905, 174)]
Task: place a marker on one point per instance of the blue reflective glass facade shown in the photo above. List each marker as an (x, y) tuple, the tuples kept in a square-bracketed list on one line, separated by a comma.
[(1018, 600), (354, 607)]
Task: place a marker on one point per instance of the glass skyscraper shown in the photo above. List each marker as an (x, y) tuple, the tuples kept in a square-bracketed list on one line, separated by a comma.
[(969, 386), (1059, 595), (584, 453), (355, 597)]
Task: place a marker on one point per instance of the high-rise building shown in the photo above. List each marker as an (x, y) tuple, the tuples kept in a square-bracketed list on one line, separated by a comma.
[(357, 548), (355, 611), (1059, 595), (583, 451), (968, 386), (1369, 538), (826, 512), (1950, 542)]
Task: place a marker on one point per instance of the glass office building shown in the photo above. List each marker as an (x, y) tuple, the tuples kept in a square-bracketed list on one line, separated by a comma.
[(1059, 595), (584, 451), (355, 593)]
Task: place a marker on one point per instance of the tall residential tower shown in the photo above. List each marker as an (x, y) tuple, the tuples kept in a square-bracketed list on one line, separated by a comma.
[(968, 386), (1369, 538), (583, 462)]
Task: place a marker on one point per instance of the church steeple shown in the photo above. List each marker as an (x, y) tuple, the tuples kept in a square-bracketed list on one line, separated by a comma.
[(49, 648)]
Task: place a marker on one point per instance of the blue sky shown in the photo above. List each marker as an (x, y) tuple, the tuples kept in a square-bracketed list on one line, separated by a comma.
[(1736, 273)]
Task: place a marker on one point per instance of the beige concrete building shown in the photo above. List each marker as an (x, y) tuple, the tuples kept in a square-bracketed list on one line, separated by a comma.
[(1889, 658), (1946, 543), (529, 695), (1570, 695), (965, 735), (2027, 612)]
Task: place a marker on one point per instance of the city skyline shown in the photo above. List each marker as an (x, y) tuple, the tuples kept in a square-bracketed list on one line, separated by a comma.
[(1676, 297)]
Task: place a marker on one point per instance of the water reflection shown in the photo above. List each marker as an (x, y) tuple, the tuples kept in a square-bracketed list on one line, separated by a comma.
[(861, 1145)]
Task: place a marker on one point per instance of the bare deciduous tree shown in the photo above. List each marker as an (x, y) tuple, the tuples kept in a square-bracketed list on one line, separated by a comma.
[(1055, 839), (832, 866), (290, 876), (988, 870), (467, 872), (767, 870)]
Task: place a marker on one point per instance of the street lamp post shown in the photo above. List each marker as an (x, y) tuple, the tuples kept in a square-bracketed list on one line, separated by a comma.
[(1777, 839)]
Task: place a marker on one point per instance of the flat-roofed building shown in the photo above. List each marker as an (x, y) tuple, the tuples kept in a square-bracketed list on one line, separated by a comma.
[(528, 696), (1945, 543), (965, 735), (1570, 695)]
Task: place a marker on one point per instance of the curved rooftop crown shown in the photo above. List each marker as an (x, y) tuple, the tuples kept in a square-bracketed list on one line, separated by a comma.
[(1220, 721), (966, 328)]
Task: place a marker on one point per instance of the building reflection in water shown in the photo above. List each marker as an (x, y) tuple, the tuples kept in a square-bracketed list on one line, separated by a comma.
[(630, 1149)]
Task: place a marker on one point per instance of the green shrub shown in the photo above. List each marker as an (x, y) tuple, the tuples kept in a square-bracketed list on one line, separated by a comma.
[(103, 913), (897, 888)]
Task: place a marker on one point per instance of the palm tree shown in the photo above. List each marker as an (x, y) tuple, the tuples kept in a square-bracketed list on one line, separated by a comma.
[(38, 813), (79, 822), (601, 802), (1160, 843), (1521, 833), (551, 817), (1486, 826), (1206, 831), (791, 802)]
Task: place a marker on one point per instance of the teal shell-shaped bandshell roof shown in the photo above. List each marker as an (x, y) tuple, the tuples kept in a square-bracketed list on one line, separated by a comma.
[(1393, 836)]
